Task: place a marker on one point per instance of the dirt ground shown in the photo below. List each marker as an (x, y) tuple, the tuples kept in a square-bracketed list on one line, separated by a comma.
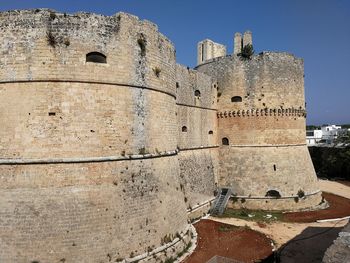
[(239, 243), (302, 241), (338, 207), (341, 188)]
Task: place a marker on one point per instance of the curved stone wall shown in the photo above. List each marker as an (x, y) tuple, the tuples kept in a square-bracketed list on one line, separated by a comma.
[(261, 118), (45, 45), (88, 151), (197, 138)]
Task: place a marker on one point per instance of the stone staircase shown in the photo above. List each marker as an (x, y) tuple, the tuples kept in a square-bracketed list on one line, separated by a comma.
[(221, 201)]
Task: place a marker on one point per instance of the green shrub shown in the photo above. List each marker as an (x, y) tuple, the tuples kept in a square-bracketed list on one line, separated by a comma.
[(247, 52)]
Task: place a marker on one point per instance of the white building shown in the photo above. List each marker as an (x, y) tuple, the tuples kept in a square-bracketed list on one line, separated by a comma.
[(327, 134), (313, 137), (331, 132)]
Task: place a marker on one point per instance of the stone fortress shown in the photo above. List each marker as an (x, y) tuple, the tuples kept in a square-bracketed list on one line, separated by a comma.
[(108, 147)]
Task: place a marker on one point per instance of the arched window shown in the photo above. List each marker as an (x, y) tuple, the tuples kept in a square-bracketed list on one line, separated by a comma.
[(184, 129), (273, 193), (96, 57), (197, 93), (236, 99), (225, 141), (210, 132)]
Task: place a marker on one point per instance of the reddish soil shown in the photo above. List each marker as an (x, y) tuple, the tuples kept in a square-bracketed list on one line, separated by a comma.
[(239, 243), (338, 207)]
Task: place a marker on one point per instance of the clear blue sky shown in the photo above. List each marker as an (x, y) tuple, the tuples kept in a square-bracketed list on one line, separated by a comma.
[(318, 31)]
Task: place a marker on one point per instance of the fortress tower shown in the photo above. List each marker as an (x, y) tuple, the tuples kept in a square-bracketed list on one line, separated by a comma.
[(263, 156), (88, 140)]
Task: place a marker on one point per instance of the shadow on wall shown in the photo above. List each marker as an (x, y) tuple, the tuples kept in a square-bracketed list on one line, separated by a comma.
[(307, 247)]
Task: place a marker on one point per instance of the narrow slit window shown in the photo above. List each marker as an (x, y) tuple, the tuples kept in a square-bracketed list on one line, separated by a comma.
[(202, 53), (96, 57), (274, 167)]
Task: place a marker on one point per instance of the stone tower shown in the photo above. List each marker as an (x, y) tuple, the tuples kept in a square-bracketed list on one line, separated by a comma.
[(263, 156), (247, 38), (240, 42), (208, 49), (87, 175), (237, 46)]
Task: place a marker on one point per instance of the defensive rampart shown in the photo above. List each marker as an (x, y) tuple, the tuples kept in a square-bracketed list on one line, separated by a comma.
[(88, 141), (196, 104), (261, 126)]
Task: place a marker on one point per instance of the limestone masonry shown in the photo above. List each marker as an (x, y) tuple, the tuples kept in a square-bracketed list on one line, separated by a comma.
[(108, 147)]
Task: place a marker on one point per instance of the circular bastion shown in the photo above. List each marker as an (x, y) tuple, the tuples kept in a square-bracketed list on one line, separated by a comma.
[(88, 140), (261, 115)]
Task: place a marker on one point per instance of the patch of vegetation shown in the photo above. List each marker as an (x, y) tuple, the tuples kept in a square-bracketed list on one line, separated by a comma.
[(52, 16), (142, 151), (247, 52), (253, 215), (166, 239), (234, 198), (227, 228), (169, 260), (301, 193), (331, 162), (66, 42), (51, 39), (157, 71)]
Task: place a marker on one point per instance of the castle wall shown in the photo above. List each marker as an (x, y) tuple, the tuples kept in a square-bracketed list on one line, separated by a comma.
[(198, 142), (88, 151), (89, 212), (45, 45), (252, 171), (261, 112), (91, 120)]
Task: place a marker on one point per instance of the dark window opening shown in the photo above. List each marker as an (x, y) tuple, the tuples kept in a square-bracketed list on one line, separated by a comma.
[(177, 85), (142, 44), (274, 167), (52, 113), (225, 141), (197, 93), (309, 133), (96, 57), (202, 57), (210, 132), (184, 129), (236, 99), (273, 193)]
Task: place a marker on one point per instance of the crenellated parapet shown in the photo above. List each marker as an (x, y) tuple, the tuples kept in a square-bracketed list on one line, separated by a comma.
[(290, 112)]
